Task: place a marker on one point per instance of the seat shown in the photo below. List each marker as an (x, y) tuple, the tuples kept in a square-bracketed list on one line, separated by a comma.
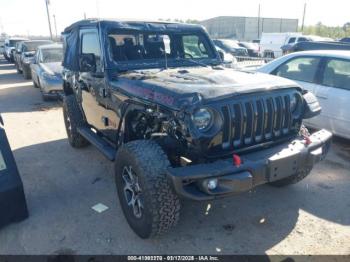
[(117, 51), (132, 52), (154, 48)]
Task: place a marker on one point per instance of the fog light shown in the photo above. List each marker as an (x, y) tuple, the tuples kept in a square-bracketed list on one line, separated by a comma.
[(212, 184)]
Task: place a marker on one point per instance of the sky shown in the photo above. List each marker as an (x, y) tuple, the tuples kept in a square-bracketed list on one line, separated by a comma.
[(29, 17)]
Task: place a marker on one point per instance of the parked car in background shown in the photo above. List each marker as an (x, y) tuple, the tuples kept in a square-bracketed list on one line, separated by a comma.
[(25, 55), (256, 41), (17, 55), (46, 70), (271, 43), (252, 48), (9, 47), (231, 46), (229, 60), (289, 47), (327, 75), (308, 46), (345, 40), (2, 46)]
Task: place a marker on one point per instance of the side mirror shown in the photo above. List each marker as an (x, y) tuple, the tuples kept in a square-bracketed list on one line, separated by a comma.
[(221, 54), (87, 63)]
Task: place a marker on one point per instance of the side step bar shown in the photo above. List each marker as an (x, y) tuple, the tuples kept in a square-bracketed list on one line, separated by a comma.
[(106, 149)]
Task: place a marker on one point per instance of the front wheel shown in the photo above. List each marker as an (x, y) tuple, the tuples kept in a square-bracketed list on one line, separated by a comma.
[(26, 73), (149, 203), (73, 119)]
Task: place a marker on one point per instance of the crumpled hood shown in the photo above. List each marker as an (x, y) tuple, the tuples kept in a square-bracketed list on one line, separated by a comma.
[(53, 68), (205, 83)]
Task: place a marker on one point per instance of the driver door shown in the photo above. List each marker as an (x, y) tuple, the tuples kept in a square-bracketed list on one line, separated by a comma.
[(92, 84)]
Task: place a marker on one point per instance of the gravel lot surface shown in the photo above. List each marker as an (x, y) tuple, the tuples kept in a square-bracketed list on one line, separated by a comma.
[(62, 184)]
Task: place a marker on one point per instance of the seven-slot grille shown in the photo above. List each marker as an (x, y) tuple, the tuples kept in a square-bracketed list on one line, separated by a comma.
[(257, 119)]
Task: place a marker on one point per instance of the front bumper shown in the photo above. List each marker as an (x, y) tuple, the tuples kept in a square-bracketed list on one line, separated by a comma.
[(257, 168), (52, 87)]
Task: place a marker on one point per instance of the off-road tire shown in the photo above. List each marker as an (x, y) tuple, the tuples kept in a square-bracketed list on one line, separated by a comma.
[(26, 73), (161, 205), (73, 119), (291, 179)]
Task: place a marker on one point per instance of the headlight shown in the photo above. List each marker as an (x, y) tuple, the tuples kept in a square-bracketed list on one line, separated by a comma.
[(202, 119)]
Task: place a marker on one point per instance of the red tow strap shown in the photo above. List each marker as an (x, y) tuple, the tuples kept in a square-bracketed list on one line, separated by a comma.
[(237, 161)]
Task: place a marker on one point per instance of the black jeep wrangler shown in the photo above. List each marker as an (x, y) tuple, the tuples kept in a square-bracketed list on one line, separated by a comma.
[(155, 99)]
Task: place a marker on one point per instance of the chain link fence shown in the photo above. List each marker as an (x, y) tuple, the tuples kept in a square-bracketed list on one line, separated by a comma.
[(246, 62)]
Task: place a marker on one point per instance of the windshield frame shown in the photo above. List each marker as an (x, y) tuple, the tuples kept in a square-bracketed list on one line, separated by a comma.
[(212, 59)]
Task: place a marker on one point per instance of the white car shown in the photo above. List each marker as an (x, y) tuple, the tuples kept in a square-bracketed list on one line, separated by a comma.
[(325, 73)]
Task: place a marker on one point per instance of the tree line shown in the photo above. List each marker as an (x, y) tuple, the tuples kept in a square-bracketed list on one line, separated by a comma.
[(334, 32)]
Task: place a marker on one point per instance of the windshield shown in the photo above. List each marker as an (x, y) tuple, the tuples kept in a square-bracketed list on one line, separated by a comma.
[(12, 43), (169, 48), (52, 55), (32, 46)]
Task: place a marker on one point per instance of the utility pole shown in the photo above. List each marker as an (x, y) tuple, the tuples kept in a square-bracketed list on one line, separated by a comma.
[(84, 15), (302, 25), (47, 2), (259, 21), (54, 20)]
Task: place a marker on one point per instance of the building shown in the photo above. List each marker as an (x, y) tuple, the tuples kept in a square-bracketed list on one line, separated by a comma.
[(246, 28)]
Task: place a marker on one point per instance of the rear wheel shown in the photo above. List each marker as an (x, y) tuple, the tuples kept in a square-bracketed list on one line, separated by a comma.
[(149, 203), (73, 119)]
